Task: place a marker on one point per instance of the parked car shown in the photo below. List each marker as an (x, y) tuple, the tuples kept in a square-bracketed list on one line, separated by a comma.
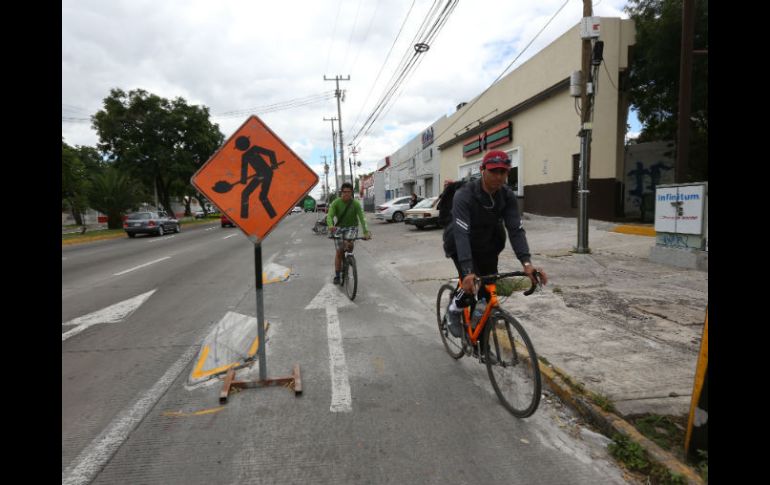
[(393, 210), (424, 214), (150, 222), (226, 221), (296, 210), (320, 207)]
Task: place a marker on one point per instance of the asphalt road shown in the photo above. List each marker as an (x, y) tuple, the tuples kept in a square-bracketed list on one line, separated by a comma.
[(414, 415)]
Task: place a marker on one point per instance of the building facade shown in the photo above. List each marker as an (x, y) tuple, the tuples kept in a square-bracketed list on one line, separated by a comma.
[(531, 115)]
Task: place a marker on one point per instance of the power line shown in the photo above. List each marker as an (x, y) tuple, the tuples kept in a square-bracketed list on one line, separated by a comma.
[(425, 35), (383, 64), (279, 106), (352, 31), (334, 33), (467, 109), (366, 36)]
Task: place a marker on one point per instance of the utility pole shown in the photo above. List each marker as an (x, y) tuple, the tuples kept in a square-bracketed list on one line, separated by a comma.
[(338, 94), (354, 152), (685, 91), (326, 172), (334, 152), (585, 137)]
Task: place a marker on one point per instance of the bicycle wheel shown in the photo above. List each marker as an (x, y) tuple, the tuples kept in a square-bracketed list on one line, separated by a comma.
[(512, 364), (351, 276), (452, 344)]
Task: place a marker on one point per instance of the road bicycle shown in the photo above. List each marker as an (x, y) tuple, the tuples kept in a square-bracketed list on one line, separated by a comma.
[(500, 342), (320, 228), (349, 274)]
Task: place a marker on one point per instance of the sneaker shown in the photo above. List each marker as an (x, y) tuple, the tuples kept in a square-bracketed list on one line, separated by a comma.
[(453, 323), (336, 280)]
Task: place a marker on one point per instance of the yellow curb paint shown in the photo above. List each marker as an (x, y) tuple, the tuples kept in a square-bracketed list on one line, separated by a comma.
[(254, 347), (198, 372), (68, 242), (265, 281), (177, 414), (635, 230), (559, 386)]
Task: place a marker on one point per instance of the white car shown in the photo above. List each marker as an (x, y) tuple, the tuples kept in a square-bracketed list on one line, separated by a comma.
[(296, 210), (393, 210), (424, 214)]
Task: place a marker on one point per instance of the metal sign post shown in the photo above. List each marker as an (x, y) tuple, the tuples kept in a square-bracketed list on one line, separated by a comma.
[(294, 381), (256, 179)]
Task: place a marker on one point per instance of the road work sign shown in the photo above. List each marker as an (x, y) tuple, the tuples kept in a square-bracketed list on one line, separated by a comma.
[(254, 178)]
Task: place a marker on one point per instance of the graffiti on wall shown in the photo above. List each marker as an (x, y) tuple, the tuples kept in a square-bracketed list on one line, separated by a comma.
[(681, 241), (647, 166)]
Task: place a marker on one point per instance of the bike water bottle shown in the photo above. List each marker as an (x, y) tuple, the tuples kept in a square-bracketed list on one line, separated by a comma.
[(478, 312)]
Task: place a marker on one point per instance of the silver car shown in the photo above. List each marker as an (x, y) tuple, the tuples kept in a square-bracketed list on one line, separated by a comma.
[(393, 210), (157, 223)]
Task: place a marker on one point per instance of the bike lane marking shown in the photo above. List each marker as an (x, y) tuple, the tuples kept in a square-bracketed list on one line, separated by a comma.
[(330, 299), (93, 458)]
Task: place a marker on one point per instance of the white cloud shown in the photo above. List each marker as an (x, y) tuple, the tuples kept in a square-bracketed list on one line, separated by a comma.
[(237, 54)]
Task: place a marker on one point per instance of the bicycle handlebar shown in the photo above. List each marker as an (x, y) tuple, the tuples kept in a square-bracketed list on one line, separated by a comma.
[(498, 276), (340, 234)]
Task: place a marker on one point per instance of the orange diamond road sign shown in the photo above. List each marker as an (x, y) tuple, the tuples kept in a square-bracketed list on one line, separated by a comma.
[(254, 178)]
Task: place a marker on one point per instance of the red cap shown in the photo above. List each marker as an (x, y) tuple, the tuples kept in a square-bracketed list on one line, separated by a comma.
[(496, 159)]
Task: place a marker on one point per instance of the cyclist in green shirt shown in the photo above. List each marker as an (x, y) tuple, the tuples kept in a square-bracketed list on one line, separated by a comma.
[(348, 213)]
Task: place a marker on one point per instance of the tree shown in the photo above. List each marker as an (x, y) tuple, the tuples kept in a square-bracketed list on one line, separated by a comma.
[(114, 193), (74, 182), (159, 142), (653, 77)]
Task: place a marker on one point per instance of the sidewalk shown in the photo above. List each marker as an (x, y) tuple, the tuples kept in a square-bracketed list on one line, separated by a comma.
[(611, 321)]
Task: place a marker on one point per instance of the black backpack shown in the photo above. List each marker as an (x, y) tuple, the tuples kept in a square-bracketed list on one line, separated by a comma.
[(445, 202)]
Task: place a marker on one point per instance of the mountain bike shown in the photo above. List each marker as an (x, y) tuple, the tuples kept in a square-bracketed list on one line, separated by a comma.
[(349, 275), (500, 342)]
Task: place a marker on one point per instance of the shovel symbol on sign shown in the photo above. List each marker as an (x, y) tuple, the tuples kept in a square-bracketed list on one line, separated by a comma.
[(223, 186)]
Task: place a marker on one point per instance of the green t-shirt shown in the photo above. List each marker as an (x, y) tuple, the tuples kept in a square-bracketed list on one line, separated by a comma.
[(352, 217)]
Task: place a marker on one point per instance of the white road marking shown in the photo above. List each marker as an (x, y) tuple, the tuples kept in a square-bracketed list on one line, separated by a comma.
[(231, 235), (91, 460), (341, 400), (330, 298), (166, 238), (113, 313), (141, 266)]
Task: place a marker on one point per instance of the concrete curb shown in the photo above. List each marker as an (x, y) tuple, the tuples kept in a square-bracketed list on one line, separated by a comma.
[(610, 423), (636, 230)]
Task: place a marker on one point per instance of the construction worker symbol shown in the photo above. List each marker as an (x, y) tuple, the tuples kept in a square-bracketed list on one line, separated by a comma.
[(253, 157)]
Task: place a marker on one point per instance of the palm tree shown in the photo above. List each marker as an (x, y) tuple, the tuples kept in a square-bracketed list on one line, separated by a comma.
[(114, 193)]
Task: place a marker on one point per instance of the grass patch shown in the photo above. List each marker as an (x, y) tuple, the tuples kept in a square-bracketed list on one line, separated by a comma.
[(603, 402), (703, 465), (506, 286), (634, 457), (94, 235), (668, 432)]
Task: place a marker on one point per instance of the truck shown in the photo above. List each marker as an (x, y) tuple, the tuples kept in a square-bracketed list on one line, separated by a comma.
[(309, 204)]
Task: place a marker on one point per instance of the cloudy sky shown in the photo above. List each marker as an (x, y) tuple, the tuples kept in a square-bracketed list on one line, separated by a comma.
[(269, 58)]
